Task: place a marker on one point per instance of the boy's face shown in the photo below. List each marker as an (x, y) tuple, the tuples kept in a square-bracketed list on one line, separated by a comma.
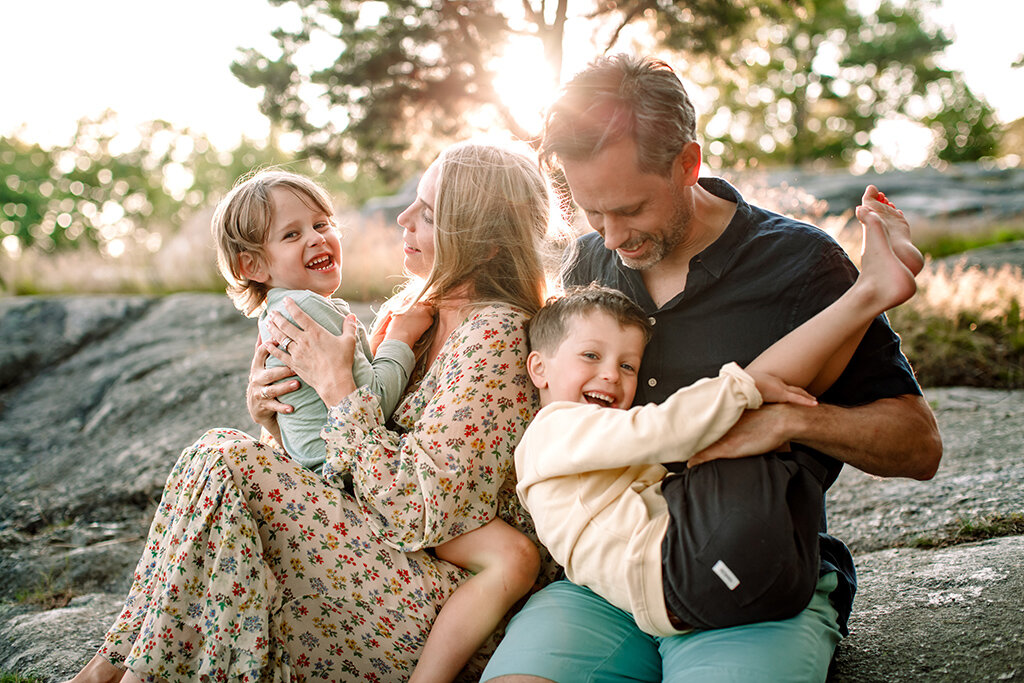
[(596, 363), (302, 250)]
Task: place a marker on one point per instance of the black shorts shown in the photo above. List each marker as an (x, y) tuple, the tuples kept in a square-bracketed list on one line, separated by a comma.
[(742, 539)]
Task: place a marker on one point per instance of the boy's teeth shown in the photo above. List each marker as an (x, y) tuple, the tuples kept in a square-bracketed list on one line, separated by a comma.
[(317, 263), (603, 399)]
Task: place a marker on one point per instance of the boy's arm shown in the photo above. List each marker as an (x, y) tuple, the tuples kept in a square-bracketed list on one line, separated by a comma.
[(389, 371), (587, 438)]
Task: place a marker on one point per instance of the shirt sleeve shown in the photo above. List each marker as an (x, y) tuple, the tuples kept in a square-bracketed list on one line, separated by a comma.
[(391, 367), (585, 438), (441, 478)]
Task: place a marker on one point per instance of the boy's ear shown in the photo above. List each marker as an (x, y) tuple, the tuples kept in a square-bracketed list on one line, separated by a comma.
[(535, 368), (252, 267)]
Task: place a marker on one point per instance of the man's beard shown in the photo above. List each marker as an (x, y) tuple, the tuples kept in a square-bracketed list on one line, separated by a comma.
[(660, 246)]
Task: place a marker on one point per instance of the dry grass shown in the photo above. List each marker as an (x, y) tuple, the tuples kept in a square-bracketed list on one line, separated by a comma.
[(964, 327), (187, 262)]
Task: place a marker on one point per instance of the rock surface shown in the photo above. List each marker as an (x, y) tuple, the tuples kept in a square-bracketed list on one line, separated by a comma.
[(98, 395)]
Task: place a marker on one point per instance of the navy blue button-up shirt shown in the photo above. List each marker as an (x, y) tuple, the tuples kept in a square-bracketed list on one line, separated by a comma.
[(765, 275)]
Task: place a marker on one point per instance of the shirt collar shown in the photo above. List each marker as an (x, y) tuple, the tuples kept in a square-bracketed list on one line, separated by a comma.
[(716, 257)]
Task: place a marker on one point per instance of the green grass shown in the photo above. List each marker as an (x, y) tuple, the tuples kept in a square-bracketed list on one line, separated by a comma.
[(940, 246), (964, 349), (968, 530), (10, 677)]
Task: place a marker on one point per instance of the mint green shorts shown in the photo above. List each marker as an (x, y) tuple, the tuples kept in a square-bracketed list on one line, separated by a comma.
[(569, 634)]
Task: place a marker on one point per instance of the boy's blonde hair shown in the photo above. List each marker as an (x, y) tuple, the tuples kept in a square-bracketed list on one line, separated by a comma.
[(549, 328), (492, 217), (242, 220)]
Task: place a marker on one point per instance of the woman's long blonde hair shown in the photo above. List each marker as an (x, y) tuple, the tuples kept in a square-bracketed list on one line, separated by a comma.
[(492, 226)]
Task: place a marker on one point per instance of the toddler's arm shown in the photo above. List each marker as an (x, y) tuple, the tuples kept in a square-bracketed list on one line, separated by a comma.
[(505, 564)]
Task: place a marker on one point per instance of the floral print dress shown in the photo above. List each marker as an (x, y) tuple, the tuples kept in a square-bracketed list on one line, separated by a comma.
[(257, 569)]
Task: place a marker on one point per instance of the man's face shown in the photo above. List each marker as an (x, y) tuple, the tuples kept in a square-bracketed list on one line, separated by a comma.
[(641, 216)]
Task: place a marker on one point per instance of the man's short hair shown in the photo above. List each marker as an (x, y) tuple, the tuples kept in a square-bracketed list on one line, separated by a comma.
[(550, 326), (617, 97)]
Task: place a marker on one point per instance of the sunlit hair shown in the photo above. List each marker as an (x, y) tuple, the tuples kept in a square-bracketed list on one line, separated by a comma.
[(550, 326), (242, 221), (491, 230), (617, 97)]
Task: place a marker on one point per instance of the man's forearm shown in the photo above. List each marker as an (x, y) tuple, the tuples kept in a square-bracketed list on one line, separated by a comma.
[(894, 437)]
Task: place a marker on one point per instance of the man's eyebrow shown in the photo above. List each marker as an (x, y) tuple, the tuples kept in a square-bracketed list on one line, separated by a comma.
[(624, 208)]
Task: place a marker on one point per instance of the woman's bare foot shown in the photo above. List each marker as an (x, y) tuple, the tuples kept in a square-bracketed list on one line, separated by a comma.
[(99, 670), (896, 227)]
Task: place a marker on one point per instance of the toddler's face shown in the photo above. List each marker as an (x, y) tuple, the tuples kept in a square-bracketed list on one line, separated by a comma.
[(302, 250), (596, 363)]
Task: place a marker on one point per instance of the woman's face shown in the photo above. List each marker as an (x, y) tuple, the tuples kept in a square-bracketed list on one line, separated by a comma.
[(417, 221)]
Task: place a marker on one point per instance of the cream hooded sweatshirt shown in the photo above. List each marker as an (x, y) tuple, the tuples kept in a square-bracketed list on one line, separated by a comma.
[(591, 479)]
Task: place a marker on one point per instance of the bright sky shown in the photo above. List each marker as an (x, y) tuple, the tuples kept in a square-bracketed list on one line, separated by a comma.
[(61, 60)]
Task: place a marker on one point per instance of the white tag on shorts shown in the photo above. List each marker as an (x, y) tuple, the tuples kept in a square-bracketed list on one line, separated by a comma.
[(726, 575)]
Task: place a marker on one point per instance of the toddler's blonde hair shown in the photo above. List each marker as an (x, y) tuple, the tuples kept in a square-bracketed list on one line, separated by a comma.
[(242, 220)]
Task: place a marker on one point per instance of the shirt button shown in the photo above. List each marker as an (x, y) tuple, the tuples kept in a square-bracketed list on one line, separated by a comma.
[(652, 382), (652, 320)]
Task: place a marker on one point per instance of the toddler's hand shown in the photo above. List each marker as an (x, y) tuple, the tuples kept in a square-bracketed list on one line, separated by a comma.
[(774, 390), (410, 325)]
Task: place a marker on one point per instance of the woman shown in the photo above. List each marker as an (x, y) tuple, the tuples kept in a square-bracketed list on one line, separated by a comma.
[(257, 569)]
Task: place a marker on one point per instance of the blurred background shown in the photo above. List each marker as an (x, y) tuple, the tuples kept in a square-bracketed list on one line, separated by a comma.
[(124, 121)]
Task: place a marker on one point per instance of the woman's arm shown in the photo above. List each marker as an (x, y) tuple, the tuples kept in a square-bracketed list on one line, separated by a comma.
[(263, 392), (441, 478)]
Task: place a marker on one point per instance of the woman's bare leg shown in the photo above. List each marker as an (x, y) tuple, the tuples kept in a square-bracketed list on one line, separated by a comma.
[(99, 670)]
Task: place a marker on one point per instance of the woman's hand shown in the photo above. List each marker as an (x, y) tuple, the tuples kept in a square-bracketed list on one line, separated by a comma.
[(263, 393), (321, 359), (410, 325)]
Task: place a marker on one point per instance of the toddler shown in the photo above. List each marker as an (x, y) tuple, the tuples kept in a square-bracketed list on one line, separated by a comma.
[(276, 239)]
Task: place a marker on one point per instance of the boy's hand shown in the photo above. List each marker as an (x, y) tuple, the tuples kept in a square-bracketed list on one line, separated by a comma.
[(774, 390), (409, 326), (380, 331)]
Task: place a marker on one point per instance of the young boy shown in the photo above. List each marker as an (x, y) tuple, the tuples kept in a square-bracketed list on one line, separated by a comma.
[(728, 542), (276, 239)]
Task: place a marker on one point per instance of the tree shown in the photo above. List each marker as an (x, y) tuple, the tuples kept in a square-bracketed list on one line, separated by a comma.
[(399, 79), (815, 87), (378, 87), (114, 188)]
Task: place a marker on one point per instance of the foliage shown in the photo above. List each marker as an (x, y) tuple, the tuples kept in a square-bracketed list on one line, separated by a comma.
[(946, 244), (11, 677), (381, 86), (816, 86), (121, 189), (968, 530), (964, 327)]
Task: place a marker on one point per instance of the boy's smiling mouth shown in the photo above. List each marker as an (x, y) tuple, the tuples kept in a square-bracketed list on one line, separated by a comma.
[(321, 262), (599, 398)]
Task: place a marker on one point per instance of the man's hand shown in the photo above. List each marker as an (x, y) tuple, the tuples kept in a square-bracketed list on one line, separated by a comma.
[(891, 437), (756, 432)]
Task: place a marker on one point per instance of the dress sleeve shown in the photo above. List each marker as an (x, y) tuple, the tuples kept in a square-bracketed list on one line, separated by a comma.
[(441, 478)]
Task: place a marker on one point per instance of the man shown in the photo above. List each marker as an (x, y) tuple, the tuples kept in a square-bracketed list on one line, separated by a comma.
[(721, 280)]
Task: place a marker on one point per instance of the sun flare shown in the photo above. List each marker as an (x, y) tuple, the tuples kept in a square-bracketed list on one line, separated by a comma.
[(525, 81)]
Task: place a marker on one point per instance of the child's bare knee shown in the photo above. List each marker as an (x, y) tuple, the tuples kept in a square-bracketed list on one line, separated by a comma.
[(522, 562)]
